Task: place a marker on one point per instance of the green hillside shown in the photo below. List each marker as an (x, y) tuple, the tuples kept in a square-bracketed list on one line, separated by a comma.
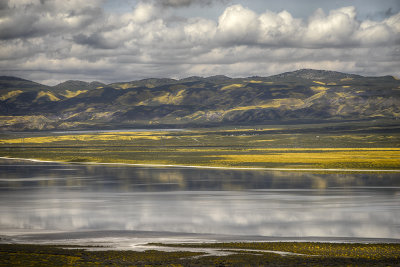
[(299, 96)]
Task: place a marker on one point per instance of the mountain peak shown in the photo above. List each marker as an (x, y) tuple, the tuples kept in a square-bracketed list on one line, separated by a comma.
[(218, 78), (192, 79), (10, 83), (312, 74), (72, 83), (76, 85), (11, 78)]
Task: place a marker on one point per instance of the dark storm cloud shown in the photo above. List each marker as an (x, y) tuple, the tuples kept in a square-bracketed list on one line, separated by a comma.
[(19, 28), (3, 5), (27, 19), (94, 40)]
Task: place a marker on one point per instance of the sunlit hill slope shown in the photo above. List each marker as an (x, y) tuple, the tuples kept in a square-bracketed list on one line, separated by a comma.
[(293, 97)]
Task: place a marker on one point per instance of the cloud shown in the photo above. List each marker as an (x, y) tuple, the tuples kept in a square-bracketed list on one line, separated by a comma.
[(75, 40), (340, 28), (95, 40), (30, 18), (185, 3), (334, 29), (144, 12), (280, 29), (238, 25)]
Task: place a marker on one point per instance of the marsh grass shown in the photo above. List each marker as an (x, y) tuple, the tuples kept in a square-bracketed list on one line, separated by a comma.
[(314, 254), (40, 255), (353, 250)]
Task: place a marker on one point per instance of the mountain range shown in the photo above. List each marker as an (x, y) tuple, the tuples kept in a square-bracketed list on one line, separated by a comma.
[(293, 97)]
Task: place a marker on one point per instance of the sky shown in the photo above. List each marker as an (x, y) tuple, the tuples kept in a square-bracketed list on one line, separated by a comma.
[(51, 41)]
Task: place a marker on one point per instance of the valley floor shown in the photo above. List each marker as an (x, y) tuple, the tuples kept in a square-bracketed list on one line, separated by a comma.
[(315, 147)]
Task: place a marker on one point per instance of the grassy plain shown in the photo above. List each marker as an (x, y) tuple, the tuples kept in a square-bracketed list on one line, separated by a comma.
[(244, 254), (298, 147)]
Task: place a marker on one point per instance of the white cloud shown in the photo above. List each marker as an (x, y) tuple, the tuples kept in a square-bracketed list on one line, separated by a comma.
[(277, 29), (145, 12), (238, 25), (335, 29), (185, 3), (200, 31), (67, 38)]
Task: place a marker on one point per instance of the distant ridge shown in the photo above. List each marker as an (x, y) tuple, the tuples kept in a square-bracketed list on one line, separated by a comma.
[(11, 83), (301, 73), (316, 74), (11, 78), (298, 96)]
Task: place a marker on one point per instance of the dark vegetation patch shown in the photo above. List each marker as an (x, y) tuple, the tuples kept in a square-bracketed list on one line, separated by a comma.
[(316, 254)]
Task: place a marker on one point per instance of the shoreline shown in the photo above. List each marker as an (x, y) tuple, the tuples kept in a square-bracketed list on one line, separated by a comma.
[(141, 241), (218, 254), (206, 167), (126, 238), (123, 247)]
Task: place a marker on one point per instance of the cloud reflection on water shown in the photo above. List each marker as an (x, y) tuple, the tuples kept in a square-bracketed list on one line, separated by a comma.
[(200, 201)]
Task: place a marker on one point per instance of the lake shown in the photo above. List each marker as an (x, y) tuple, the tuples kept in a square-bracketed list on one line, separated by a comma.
[(112, 204)]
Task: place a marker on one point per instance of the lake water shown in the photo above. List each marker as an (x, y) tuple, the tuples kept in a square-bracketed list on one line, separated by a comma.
[(41, 202)]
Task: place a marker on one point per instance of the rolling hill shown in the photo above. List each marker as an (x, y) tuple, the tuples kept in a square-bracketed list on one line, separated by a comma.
[(294, 97)]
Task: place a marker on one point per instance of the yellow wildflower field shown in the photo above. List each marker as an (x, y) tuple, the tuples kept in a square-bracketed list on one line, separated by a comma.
[(366, 158)]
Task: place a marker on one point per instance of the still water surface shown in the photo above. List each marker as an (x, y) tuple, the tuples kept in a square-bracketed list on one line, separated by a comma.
[(52, 197)]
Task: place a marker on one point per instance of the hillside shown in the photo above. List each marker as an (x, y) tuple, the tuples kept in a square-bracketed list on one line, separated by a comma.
[(300, 96)]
